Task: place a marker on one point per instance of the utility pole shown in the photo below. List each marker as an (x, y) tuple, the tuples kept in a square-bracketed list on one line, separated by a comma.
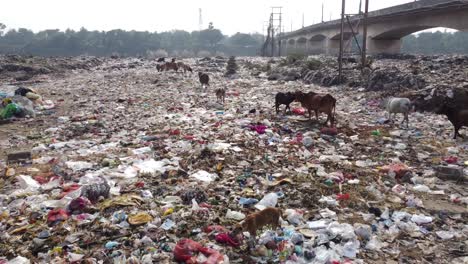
[(200, 21), (302, 20), (322, 12), (364, 36), (340, 56)]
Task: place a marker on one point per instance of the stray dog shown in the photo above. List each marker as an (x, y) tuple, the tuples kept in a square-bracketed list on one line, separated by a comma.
[(253, 222), (220, 94)]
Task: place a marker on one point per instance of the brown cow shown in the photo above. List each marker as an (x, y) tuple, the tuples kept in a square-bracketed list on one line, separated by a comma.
[(170, 66), (184, 67), (320, 103)]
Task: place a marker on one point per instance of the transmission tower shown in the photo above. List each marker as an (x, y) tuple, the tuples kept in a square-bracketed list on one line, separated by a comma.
[(274, 29), (200, 20)]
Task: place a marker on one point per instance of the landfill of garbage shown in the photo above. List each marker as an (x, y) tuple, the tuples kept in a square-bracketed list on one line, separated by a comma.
[(120, 163)]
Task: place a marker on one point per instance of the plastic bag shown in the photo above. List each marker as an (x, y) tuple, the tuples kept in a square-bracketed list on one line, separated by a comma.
[(269, 200)]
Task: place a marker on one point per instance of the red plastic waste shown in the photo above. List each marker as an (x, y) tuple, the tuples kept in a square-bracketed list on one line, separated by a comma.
[(225, 238), (186, 250), (343, 197), (398, 169), (216, 228), (174, 132), (331, 131), (259, 128), (140, 184), (57, 215), (78, 204), (451, 160), (298, 111), (68, 189)]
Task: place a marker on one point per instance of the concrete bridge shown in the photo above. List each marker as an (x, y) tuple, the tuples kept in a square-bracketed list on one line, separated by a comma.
[(386, 27)]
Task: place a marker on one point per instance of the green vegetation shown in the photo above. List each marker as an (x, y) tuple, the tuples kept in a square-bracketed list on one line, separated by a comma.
[(436, 43), (126, 43)]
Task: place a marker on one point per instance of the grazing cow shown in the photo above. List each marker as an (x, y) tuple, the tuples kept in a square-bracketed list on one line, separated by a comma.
[(184, 67), (163, 59), (458, 117), (160, 67), (171, 66), (284, 99), (220, 94), (397, 105), (204, 79), (320, 103)]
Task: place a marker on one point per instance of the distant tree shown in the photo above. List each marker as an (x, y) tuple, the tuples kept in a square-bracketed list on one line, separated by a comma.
[(2, 28), (209, 38), (242, 39)]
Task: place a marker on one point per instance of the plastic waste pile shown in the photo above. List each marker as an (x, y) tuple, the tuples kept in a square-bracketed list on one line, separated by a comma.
[(140, 166)]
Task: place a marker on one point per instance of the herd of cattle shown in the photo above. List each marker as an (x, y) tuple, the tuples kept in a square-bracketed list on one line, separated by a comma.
[(326, 103)]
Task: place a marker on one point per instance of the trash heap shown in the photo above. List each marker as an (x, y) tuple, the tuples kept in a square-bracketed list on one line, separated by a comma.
[(140, 166)]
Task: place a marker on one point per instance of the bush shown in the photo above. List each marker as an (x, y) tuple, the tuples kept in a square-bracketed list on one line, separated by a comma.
[(157, 54), (187, 54), (294, 57), (220, 54), (231, 67), (313, 64), (203, 53)]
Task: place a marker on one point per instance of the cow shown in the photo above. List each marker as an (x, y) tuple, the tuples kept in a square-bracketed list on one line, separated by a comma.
[(319, 103)]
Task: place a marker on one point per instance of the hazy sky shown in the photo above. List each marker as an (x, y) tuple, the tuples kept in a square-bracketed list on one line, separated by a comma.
[(157, 15)]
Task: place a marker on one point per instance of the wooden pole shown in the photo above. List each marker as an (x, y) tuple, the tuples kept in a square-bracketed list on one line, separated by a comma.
[(364, 36), (340, 55)]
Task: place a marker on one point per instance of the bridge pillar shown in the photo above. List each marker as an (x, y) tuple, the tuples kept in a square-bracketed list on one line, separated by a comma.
[(389, 46), (317, 47), (291, 48)]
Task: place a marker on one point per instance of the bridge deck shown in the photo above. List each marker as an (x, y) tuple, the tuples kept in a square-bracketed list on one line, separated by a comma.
[(386, 13)]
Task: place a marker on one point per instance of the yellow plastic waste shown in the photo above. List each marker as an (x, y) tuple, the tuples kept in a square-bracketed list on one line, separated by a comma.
[(168, 211), (140, 218), (219, 167), (124, 200), (10, 172)]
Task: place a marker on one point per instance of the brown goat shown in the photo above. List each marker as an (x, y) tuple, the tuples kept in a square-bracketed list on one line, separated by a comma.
[(253, 222), (220, 95), (320, 103)]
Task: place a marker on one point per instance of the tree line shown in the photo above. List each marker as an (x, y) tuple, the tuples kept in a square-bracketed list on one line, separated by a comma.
[(207, 42), (53, 42), (436, 43)]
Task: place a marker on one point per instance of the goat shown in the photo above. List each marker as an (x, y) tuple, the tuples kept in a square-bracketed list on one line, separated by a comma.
[(220, 94), (204, 79), (458, 117), (397, 105), (284, 99), (320, 103)]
